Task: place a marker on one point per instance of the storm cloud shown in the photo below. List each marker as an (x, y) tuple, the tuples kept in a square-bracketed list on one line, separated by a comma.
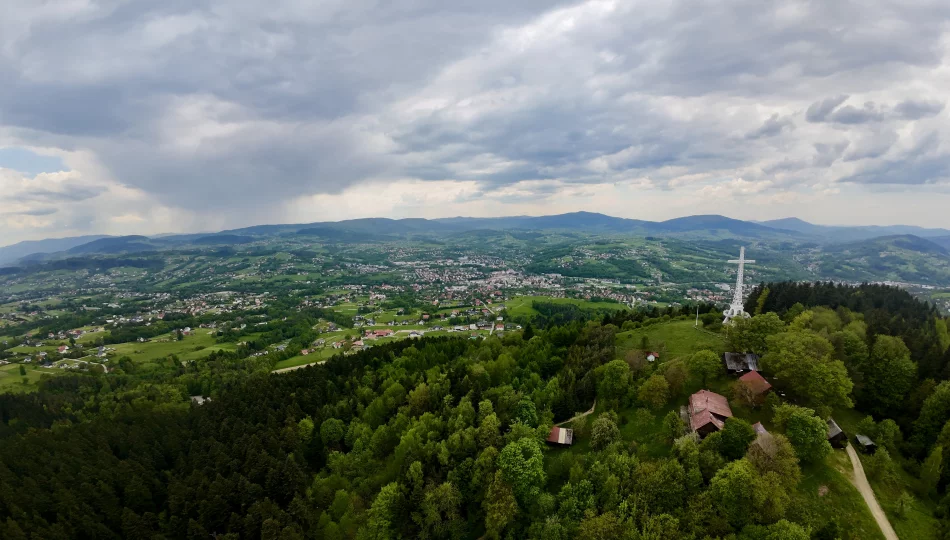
[(213, 113)]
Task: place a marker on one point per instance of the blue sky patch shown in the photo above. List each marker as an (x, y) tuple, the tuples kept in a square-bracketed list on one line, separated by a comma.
[(29, 163)]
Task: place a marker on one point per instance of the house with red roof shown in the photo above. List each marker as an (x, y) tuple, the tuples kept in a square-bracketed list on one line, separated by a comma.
[(756, 384), (561, 436), (708, 412)]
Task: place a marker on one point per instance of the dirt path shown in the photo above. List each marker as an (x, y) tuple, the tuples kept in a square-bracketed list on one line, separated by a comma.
[(861, 482), (581, 415), (291, 368)]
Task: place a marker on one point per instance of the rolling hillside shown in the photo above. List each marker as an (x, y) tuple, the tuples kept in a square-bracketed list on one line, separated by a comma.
[(906, 258)]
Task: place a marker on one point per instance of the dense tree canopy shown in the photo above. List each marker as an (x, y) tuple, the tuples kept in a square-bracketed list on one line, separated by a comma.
[(444, 438)]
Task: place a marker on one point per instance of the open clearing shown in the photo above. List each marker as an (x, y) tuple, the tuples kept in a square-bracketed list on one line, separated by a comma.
[(679, 338)]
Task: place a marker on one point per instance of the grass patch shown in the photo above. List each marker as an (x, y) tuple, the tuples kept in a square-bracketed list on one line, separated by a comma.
[(161, 346), (841, 502), (299, 360), (919, 521), (12, 381), (521, 305), (678, 338)]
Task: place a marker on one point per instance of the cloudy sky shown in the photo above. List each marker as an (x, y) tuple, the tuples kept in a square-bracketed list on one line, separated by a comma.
[(141, 117)]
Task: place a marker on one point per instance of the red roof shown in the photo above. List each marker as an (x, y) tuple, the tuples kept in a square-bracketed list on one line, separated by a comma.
[(559, 435), (706, 407), (757, 382)]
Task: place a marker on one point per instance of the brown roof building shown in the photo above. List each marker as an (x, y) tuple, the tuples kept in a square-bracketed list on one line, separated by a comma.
[(756, 383), (708, 412)]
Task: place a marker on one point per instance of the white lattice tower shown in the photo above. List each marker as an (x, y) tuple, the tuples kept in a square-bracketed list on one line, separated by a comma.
[(736, 309)]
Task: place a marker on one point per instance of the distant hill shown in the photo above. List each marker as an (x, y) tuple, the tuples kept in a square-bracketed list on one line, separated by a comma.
[(219, 239), (706, 227), (941, 241), (333, 234), (903, 257), (854, 233), (711, 223), (117, 244), (10, 254)]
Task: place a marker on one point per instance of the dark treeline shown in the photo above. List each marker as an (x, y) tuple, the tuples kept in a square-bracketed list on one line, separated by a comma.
[(886, 310), (559, 313), (132, 460)]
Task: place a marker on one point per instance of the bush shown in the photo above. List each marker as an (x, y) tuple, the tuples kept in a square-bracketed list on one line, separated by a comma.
[(604, 431)]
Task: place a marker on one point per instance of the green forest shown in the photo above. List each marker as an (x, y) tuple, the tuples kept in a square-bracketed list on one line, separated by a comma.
[(445, 437)]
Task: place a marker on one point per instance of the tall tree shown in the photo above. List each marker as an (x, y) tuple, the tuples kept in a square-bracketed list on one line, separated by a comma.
[(706, 365), (522, 466), (604, 431), (806, 431), (654, 392), (889, 375), (500, 506), (803, 361), (735, 438)]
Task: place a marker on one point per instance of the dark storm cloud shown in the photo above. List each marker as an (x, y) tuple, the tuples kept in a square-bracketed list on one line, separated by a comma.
[(773, 126), (42, 195), (819, 111), (915, 110), (210, 105), (831, 110), (38, 212)]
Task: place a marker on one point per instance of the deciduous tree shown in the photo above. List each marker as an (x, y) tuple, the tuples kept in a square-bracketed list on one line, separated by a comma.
[(805, 430), (705, 365), (522, 466), (654, 392), (803, 360)]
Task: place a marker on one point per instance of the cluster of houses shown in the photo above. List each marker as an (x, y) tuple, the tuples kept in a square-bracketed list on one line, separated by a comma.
[(708, 411)]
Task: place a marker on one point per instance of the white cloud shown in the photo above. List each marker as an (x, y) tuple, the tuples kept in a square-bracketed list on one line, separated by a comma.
[(207, 114)]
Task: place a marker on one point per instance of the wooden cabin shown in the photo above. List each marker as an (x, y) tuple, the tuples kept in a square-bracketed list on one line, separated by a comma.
[(865, 443), (740, 362), (560, 436), (836, 436)]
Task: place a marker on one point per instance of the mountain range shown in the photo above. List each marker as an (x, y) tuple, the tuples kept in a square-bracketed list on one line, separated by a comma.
[(374, 229)]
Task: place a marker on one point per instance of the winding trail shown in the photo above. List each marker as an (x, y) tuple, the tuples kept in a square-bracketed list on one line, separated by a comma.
[(861, 482), (581, 415)]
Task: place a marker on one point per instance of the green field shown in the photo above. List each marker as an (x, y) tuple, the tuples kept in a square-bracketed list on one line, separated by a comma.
[(521, 305), (842, 502), (12, 381), (317, 356), (679, 338), (198, 345)]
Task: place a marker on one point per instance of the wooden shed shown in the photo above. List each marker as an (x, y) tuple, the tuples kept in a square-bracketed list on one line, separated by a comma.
[(865, 443), (836, 436), (561, 436), (740, 362)]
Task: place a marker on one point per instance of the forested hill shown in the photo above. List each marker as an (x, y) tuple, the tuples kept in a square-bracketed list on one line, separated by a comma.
[(444, 437), (885, 310)]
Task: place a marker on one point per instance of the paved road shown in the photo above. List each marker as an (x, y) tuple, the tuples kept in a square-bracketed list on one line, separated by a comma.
[(298, 367), (861, 482)]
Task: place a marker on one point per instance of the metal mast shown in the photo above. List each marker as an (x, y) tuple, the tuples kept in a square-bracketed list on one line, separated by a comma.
[(736, 309)]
